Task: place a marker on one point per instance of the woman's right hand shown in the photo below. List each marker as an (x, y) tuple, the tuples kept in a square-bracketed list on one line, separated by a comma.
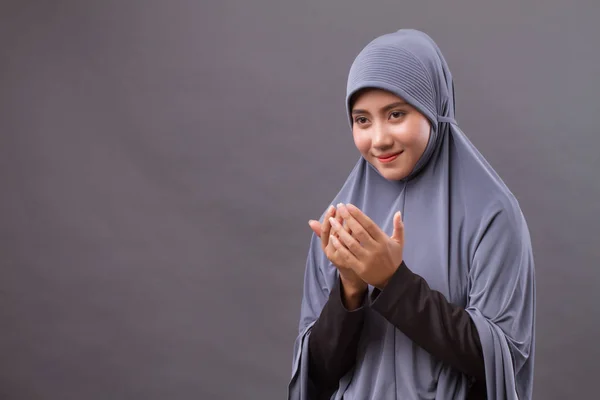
[(353, 286)]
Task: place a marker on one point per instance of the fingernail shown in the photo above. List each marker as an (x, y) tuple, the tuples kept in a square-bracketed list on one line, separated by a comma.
[(334, 222)]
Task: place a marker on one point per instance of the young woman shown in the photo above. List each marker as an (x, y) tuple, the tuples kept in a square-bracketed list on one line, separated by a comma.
[(419, 282)]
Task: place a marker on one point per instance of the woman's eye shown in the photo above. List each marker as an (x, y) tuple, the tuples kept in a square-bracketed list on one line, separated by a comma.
[(396, 114), (360, 120)]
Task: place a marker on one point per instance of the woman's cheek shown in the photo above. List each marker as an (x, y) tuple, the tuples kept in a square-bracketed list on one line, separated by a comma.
[(362, 142)]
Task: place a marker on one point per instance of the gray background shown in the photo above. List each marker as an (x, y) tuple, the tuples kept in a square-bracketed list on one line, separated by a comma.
[(159, 161)]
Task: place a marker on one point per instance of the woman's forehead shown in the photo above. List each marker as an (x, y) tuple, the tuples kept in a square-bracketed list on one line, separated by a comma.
[(375, 97)]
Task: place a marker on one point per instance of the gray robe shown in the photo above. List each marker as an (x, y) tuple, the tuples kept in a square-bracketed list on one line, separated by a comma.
[(464, 234)]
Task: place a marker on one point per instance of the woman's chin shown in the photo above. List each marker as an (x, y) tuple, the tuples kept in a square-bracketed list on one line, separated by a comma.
[(392, 174)]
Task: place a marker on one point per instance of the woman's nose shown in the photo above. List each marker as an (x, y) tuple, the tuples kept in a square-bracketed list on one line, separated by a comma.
[(381, 138)]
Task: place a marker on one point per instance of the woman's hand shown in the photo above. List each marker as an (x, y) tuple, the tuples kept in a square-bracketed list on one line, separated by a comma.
[(367, 250), (353, 286)]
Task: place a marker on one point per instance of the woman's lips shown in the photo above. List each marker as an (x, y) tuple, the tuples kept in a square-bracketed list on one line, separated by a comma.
[(386, 158)]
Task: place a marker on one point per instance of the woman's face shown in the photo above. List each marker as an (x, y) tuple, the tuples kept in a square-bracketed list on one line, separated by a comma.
[(389, 133)]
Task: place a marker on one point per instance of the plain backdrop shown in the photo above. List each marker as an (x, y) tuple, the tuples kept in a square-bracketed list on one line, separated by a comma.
[(159, 161)]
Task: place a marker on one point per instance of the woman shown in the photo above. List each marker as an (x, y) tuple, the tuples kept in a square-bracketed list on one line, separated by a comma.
[(419, 283)]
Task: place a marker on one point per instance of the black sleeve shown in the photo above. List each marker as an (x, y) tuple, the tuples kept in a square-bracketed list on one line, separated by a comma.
[(333, 342), (424, 315)]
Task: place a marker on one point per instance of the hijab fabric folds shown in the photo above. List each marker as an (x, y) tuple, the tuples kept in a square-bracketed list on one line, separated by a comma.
[(464, 234)]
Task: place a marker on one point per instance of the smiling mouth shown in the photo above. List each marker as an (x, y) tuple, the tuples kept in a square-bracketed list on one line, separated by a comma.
[(388, 158)]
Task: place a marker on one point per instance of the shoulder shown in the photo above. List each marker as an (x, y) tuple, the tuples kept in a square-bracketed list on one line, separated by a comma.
[(489, 207)]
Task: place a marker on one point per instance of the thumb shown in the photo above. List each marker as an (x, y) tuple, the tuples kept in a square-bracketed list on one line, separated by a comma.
[(315, 226), (398, 234)]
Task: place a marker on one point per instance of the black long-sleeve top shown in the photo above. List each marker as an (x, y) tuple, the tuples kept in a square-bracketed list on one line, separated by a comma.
[(424, 315)]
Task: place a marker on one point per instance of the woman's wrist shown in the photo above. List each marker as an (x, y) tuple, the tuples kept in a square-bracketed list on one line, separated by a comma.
[(352, 295)]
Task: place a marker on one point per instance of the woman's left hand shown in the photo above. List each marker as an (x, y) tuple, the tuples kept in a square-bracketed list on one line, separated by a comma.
[(369, 251)]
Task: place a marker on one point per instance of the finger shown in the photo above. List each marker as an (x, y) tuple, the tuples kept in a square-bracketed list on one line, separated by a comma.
[(325, 226), (342, 255), (331, 252), (358, 231), (338, 218), (398, 234), (347, 240), (315, 226), (367, 223), (341, 220)]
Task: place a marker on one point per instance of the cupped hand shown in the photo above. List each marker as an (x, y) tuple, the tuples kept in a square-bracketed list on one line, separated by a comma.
[(364, 247), (352, 283)]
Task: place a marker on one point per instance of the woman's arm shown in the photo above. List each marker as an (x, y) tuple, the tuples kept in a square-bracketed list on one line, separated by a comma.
[(334, 338), (424, 315)]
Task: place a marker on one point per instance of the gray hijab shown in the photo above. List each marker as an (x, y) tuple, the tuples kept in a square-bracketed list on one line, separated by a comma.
[(464, 234)]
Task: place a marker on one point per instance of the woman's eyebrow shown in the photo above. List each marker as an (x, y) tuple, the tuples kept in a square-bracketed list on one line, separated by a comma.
[(386, 108), (394, 105)]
